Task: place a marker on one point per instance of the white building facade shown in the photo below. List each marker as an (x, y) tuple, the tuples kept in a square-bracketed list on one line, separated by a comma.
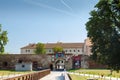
[(68, 48)]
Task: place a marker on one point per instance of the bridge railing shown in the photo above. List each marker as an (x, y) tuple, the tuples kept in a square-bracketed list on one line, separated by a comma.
[(31, 76)]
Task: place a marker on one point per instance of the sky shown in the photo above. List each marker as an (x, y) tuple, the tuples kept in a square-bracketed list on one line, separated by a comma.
[(45, 21)]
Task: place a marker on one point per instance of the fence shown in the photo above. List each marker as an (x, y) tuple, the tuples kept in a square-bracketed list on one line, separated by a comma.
[(31, 76)]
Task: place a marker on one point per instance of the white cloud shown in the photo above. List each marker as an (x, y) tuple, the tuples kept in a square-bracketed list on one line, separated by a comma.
[(33, 2)]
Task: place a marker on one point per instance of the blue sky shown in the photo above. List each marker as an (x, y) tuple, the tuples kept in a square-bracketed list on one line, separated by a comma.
[(32, 21)]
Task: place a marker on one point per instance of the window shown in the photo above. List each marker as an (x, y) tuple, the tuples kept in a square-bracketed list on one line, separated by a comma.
[(5, 64), (74, 50), (61, 61), (49, 50), (23, 66), (65, 50), (35, 64), (78, 50), (70, 50), (19, 61), (27, 50)]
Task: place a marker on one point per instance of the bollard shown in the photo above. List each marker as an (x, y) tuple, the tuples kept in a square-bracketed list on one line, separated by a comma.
[(8, 75), (117, 78), (2, 75), (104, 77), (110, 77)]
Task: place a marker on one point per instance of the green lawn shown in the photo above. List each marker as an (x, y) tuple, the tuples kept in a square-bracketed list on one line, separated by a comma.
[(104, 72), (78, 77), (11, 72)]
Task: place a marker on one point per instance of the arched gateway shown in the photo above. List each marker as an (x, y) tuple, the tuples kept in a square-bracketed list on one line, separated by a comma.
[(60, 61), (60, 64)]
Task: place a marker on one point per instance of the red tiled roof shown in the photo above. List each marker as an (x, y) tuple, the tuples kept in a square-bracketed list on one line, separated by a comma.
[(52, 45)]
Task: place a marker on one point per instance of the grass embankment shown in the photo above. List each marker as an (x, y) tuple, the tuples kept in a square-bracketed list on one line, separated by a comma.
[(78, 77), (12, 72), (104, 72)]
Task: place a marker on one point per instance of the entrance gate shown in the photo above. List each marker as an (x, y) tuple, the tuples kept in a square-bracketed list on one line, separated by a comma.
[(60, 65)]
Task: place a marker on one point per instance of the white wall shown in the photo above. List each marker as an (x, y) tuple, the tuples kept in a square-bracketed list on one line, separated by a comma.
[(27, 51), (48, 51), (74, 52), (23, 67), (31, 51)]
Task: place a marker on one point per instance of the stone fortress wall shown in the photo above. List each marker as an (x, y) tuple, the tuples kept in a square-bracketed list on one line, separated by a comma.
[(10, 61)]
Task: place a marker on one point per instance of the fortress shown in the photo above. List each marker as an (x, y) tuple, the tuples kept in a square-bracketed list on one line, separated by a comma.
[(74, 55)]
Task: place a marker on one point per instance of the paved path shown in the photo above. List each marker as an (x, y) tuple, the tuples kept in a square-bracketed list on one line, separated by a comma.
[(54, 75)]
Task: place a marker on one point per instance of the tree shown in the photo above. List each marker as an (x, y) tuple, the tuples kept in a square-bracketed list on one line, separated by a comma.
[(104, 31), (40, 48), (3, 40), (57, 49)]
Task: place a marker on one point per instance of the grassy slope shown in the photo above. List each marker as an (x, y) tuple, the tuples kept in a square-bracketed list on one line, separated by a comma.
[(10, 72), (104, 72), (76, 77)]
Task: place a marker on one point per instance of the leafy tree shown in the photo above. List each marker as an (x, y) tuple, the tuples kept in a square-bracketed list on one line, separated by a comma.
[(40, 48), (58, 49), (3, 39), (104, 31)]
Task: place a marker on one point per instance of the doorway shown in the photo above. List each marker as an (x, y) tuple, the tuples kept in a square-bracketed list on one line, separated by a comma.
[(60, 65), (51, 67)]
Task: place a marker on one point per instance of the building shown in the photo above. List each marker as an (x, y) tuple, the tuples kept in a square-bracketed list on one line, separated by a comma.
[(70, 57), (74, 48), (74, 55), (87, 47), (68, 48)]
